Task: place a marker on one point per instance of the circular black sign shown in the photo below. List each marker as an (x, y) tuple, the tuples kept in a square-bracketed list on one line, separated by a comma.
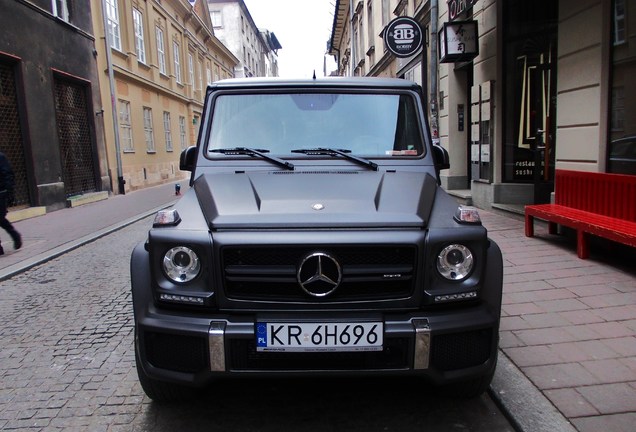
[(403, 36)]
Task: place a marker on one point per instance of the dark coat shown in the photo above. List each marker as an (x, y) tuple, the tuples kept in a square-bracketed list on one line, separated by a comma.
[(6, 175)]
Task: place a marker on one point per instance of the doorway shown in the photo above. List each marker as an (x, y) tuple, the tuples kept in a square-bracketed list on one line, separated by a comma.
[(530, 61)]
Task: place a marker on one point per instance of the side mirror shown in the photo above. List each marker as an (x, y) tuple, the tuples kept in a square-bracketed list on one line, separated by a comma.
[(441, 158), (188, 159)]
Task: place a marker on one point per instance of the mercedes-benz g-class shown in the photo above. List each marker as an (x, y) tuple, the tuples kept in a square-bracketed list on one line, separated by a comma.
[(315, 239)]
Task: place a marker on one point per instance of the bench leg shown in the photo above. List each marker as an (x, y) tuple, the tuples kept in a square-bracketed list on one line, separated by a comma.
[(582, 248), (529, 226)]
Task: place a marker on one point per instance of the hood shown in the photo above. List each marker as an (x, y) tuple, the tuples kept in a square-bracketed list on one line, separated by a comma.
[(296, 199)]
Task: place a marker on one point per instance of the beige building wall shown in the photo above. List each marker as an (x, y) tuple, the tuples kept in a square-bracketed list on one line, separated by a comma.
[(168, 100), (582, 84)]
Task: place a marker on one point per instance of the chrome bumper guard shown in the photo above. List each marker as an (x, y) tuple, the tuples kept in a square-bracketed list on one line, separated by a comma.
[(216, 337)]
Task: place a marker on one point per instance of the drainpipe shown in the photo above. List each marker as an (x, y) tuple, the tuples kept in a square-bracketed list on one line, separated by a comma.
[(353, 43), (433, 72), (113, 104)]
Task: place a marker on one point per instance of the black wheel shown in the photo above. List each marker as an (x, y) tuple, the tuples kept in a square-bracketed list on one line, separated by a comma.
[(468, 389), (162, 391)]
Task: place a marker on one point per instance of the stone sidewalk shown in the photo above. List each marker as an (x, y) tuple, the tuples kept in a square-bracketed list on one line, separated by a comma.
[(568, 329), (569, 325)]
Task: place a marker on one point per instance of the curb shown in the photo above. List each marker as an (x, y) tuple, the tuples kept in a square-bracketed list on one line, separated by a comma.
[(522, 403), (29, 263)]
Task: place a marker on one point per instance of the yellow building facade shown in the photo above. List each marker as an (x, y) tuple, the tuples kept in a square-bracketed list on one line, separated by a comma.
[(162, 55)]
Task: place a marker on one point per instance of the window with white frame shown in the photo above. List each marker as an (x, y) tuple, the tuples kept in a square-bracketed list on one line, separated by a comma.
[(217, 18), (182, 132), (200, 76), (112, 17), (161, 51), (619, 22), (177, 61), (148, 132), (60, 9), (139, 35), (208, 76), (191, 69), (167, 130), (125, 126)]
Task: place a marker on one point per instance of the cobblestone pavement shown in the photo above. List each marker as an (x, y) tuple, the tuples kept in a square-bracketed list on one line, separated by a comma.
[(65, 341)]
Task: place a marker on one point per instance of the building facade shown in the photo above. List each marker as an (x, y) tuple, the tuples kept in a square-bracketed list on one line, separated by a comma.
[(50, 101), (256, 49), (155, 59), (547, 88)]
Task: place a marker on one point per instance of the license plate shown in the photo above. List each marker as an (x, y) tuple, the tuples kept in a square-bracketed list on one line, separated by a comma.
[(356, 336)]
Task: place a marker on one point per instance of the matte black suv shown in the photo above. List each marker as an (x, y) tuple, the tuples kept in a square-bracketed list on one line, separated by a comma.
[(315, 239)]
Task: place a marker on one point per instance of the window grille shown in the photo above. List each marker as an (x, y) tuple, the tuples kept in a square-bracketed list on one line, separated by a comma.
[(11, 139), (76, 145), (182, 132)]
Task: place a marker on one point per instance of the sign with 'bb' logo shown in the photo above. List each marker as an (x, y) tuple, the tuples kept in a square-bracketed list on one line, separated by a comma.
[(403, 36)]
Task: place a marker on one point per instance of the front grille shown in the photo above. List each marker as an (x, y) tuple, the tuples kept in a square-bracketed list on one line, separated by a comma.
[(460, 350), (176, 352), (244, 357), (370, 272)]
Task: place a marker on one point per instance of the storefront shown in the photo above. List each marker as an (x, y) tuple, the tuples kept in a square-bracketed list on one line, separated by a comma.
[(549, 89)]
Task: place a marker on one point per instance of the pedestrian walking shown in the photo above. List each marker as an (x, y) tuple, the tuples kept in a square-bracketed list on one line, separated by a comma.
[(6, 198)]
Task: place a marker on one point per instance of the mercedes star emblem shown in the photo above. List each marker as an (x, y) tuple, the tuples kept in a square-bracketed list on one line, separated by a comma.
[(319, 274)]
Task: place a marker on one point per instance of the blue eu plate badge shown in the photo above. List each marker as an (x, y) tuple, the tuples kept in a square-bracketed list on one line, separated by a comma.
[(261, 335)]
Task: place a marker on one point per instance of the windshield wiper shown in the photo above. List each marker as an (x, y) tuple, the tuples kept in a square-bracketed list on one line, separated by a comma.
[(340, 152), (254, 152)]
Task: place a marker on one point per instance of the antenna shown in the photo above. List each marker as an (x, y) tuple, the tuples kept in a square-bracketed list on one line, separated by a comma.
[(314, 73)]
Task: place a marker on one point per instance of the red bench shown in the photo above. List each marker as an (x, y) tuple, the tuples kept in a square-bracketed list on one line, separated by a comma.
[(600, 204)]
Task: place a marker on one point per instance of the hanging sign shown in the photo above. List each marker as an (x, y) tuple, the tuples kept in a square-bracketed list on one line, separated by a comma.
[(458, 41), (458, 7), (403, 36)]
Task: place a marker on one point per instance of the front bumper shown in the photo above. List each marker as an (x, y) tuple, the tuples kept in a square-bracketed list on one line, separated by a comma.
[(442, 346)]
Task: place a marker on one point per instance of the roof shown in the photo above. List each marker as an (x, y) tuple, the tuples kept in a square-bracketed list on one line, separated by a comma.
[(361, 82)]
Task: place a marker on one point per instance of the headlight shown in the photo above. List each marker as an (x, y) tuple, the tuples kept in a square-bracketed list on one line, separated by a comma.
[(181, 264), (455, 262)]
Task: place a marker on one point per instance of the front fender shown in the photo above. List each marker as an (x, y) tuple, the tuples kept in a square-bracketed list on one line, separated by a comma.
[(140, 280)]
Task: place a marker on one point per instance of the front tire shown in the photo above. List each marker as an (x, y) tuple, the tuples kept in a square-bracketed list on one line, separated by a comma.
[(161, 391)]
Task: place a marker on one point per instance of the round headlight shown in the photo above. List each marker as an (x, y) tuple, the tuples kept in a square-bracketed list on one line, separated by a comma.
[(455, 262), (181, 264)]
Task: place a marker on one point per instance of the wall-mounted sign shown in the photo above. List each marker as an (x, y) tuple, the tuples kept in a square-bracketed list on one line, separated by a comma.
[(403, 36), (458, 7), (458, 41)]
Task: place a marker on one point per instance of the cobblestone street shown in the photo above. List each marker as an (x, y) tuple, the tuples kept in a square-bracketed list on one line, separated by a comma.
[(66, 347)]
